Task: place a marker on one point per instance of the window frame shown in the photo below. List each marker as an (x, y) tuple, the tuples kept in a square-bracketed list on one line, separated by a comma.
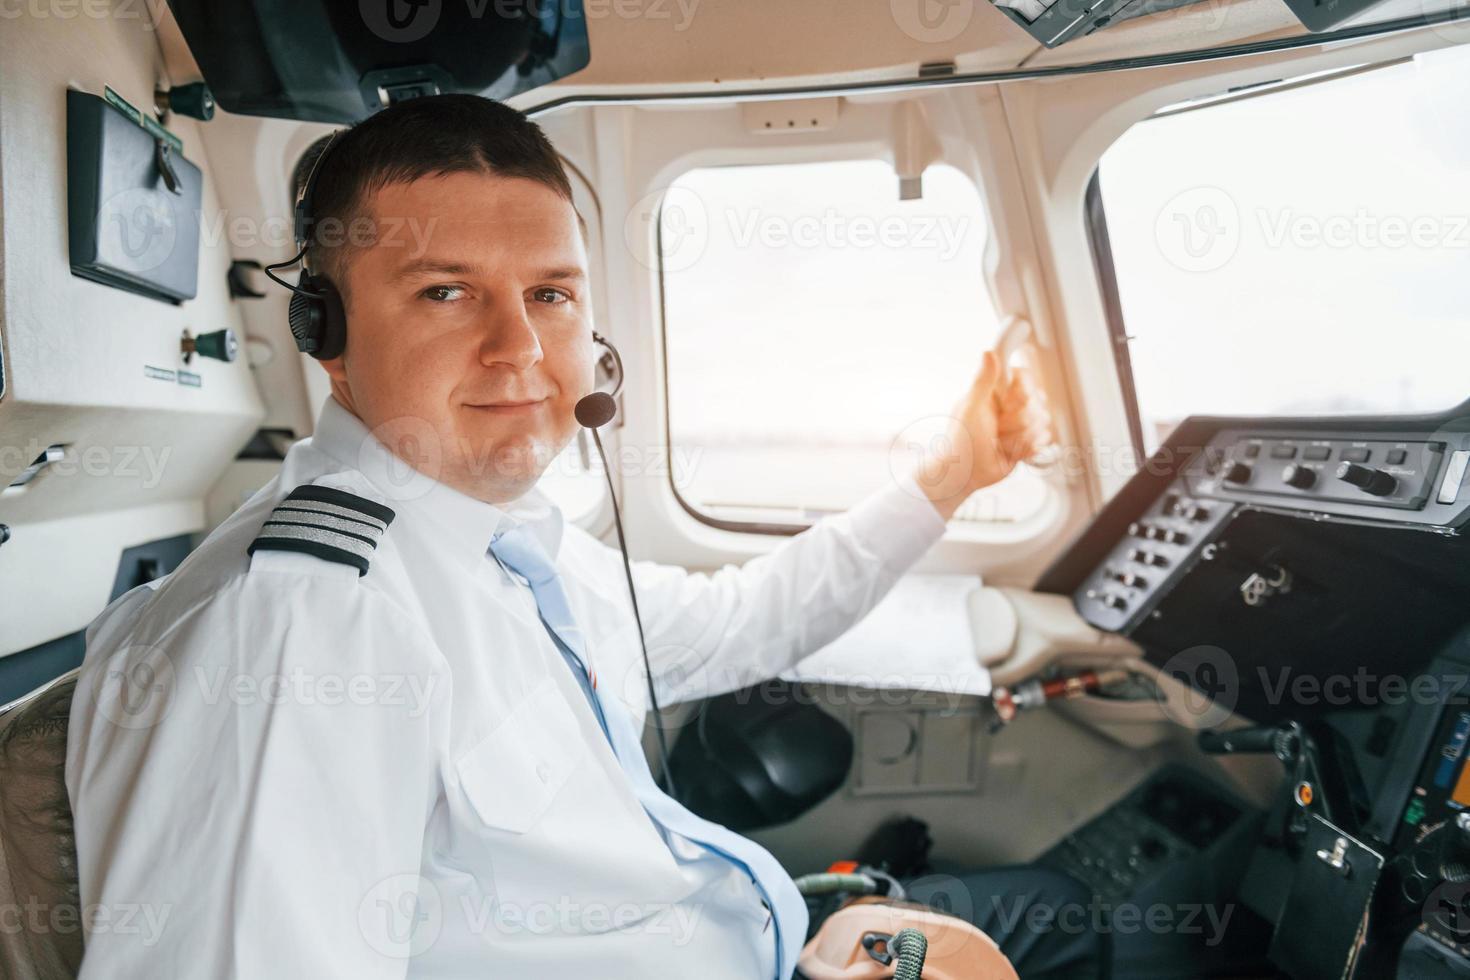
[(1095, 219), (970, 531)]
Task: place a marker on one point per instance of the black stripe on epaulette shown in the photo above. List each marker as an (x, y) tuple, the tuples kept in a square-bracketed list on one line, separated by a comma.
[(330, 524), (331, 495)]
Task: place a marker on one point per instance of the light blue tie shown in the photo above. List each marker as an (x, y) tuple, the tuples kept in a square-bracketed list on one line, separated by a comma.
[(520, 551)]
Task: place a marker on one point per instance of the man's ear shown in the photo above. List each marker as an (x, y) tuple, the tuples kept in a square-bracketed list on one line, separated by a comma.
[(336, 369)]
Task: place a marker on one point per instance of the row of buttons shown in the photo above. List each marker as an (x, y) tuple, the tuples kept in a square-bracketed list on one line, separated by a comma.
[(1159, 540), (1319, 454), (1176, 506), (1152, 532)]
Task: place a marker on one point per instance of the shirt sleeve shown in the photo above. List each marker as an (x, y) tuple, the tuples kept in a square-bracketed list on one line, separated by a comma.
[(251, 776), (712, 633)]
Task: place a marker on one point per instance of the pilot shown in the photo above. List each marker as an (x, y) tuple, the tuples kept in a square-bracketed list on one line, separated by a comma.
[(384, 721)]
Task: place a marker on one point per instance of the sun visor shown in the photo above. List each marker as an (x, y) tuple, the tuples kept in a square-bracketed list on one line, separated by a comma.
[(339, 62)]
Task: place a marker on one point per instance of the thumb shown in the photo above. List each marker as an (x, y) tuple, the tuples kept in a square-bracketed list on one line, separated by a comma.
[(989, 376)]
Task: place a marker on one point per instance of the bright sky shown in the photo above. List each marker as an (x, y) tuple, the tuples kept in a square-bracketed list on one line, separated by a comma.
[(799, 321), (1266, 255)]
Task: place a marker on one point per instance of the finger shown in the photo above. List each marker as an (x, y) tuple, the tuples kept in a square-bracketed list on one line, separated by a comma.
[(1021, 388), (989, 376)]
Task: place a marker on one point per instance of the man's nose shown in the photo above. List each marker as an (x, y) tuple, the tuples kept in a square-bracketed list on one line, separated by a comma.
[(510, 338)]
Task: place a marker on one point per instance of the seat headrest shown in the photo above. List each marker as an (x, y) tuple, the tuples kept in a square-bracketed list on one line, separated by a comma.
[(38, 864)]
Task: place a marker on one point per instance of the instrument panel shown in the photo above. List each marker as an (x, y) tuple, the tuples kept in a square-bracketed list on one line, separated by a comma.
[(1358, 475), (1300, 570), (1393, 477)]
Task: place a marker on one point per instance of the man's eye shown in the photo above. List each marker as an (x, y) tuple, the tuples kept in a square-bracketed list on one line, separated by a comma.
[(442, 294), (546, 294)]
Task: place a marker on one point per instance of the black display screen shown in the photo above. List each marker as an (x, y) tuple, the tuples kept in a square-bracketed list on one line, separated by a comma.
[(339, 62), (1443, 787)]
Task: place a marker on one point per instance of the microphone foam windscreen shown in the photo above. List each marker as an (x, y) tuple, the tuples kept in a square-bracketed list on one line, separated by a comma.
[(596, 410)]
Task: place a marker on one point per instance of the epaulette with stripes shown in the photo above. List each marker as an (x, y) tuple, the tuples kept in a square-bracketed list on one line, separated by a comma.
[(331, 524)]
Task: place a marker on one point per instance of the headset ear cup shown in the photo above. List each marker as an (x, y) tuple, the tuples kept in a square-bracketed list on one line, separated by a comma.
[(304, 317), (317, 318), (333, 336)]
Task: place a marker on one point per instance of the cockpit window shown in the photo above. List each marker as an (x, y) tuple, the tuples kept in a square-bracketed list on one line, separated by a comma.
[(815, 326), (1299, 252)]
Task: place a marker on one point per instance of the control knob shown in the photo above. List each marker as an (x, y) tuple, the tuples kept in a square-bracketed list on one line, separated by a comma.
[(1367, 479), (1238, 473), (1301, 477)]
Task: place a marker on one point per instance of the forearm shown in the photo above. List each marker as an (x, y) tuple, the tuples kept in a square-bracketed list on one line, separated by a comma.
[(746, 624)]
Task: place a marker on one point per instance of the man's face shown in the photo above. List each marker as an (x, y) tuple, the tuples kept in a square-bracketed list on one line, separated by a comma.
[(469, 338)]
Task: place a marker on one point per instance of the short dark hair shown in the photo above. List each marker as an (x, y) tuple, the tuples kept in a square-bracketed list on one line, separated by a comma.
[(429, 136)]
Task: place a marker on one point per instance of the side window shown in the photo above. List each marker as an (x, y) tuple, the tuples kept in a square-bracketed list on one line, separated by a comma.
[(1298, 252), (816, 327)]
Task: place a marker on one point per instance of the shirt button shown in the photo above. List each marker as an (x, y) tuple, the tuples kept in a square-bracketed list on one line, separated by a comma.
[(543, 771)]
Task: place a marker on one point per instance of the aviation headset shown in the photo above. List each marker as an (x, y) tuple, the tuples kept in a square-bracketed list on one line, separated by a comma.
[(317, 316)]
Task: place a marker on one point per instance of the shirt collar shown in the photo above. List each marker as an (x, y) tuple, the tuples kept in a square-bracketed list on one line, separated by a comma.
[(461, 524)]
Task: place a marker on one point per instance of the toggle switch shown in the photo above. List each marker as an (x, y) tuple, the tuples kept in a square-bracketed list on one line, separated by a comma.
[(219, 344)]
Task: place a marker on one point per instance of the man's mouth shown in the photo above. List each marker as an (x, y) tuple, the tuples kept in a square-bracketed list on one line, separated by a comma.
[(510, 407)]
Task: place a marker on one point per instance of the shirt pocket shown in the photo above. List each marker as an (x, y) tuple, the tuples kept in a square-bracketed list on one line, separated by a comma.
[(513, 775)]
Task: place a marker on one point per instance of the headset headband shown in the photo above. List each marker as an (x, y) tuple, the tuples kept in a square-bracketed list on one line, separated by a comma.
[(303, 214)]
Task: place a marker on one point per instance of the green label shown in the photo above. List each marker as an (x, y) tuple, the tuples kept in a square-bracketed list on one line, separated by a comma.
[(155, 129)]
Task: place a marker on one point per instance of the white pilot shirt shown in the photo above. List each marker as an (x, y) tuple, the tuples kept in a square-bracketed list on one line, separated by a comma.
[(281, 768)]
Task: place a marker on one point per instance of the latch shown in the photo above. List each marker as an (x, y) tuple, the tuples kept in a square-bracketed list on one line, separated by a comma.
[(1336, 859), (162, 156)]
